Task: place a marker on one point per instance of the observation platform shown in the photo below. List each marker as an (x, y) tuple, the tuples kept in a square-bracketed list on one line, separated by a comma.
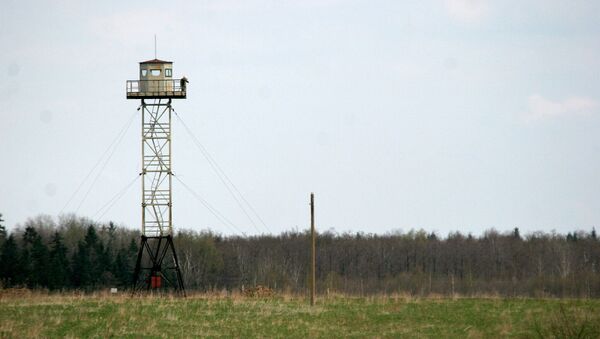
[(155, 89)]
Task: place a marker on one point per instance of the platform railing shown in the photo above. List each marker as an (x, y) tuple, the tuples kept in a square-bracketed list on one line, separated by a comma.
[(141, 87)]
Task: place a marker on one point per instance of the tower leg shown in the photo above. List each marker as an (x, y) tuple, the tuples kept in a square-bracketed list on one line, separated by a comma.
[(138, 262), (157, 267), (179, 276)]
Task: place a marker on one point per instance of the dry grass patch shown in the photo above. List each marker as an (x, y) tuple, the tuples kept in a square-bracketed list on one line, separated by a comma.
[(26, 314)]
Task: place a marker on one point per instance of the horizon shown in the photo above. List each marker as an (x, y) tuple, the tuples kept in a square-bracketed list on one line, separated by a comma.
[(55, 221)]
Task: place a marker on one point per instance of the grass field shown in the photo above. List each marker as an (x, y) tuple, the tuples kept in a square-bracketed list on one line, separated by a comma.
[(39, 315)]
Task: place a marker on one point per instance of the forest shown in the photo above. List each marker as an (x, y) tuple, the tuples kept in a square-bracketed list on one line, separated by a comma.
[(74, 253)]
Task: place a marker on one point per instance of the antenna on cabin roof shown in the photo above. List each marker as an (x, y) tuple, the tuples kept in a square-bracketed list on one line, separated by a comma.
[(155, 46)]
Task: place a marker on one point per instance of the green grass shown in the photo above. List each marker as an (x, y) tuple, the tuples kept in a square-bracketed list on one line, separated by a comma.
[(121, 316)]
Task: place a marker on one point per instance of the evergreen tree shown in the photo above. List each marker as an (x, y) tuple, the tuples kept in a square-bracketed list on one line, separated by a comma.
[(516, 233), (39, 263), (91, 244), (110, 256), (112, 231), (30, 235), (572, 237), (81, 272), (2, 231), (91, 237), (132, 251), (9, 262), (25, 260), (95, 251), (105, 265), (130, 261), (120, 268), (58, 277), (92, 263), (124, 264)]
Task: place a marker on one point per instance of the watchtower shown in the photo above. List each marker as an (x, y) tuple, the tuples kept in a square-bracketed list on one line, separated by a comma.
[(157, 266)]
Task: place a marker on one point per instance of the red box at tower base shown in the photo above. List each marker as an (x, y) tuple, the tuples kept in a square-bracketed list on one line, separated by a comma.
[(155, 281)]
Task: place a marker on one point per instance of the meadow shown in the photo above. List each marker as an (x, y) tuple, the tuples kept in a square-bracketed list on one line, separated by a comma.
[(101, 315)]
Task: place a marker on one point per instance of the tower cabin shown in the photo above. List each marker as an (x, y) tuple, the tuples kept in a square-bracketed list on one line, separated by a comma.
[(156, 82)]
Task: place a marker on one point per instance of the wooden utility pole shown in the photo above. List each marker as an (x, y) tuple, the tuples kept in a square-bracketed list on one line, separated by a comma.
[(313, 255)]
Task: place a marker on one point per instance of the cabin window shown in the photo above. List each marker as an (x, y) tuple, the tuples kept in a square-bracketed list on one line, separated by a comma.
[(155, 72), (144, 72), (168, 72)]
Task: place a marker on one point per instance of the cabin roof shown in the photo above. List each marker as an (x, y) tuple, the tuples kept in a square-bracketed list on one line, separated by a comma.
[(156, 61)]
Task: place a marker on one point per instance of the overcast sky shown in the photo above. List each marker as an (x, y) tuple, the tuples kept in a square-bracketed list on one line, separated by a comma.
[(443, 115)]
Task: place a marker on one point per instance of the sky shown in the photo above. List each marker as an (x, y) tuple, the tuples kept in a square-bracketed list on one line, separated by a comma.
[(457, 115)]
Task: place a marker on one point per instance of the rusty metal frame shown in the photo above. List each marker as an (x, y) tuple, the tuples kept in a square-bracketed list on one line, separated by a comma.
[(156, 250)]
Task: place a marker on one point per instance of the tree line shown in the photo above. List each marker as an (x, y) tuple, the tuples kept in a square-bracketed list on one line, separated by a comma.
[(75, 253), (69, 256)]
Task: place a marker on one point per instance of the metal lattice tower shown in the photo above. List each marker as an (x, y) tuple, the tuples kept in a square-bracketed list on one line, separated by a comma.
[(157, 259), (157, 193)]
